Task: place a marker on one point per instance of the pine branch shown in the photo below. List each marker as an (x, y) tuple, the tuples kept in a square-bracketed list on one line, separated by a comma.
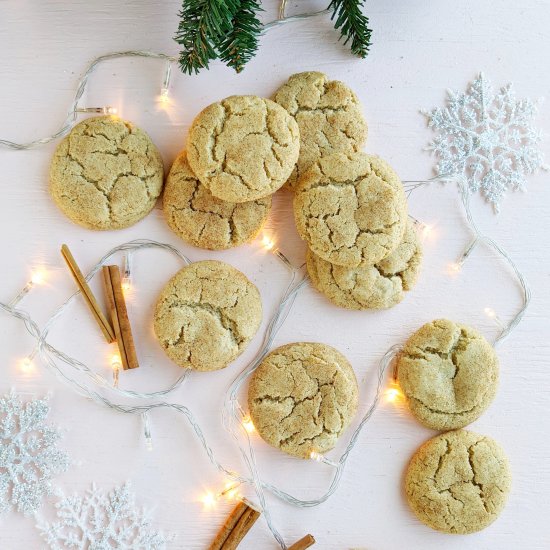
[(353, 24), (241, 44), (203, 25)]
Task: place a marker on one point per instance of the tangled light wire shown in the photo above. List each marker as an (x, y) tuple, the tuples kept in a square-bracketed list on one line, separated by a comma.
[(232, 412)]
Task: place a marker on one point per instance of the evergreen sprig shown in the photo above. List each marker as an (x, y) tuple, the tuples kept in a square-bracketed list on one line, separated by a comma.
[(353, 24), (230, 29), (241, 44), (203, 25)]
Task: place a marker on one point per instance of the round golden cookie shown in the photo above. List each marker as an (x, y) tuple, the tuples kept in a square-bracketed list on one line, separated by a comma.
[(449, 374), (243, 147), (206, 315), (458, 482), (203, 220), (106, 174), (328, 114), (369, 287), (302, 397), (351, 209)]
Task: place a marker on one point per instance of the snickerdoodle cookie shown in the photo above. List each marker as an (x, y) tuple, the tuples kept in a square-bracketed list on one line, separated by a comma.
[(243, 147), (203, 220), (351, 209), (328, 114), (302, 397), (106, 174), (206, 315), (376, 286), (449, 374), (458, 482)]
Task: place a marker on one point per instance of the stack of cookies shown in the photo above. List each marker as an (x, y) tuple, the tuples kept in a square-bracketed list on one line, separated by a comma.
[(239, 152), (349, 207)]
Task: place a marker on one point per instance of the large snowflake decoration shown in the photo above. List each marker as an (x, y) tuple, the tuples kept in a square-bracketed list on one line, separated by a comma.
[(487, 138), (29, 457), (102, 520)]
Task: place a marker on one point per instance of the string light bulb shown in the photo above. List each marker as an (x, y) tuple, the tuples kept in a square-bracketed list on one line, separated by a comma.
[(248, 425), (37, 278), (26, 365), (491, 313), (209, 499), (126, 281), (314, 455), (267, 243), (394, 394), (116, 365), (106, 110), (165, 90)]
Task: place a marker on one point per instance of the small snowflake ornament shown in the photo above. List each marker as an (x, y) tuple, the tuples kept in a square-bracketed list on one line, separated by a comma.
[(29, 457), (486, 138), (101, 520)]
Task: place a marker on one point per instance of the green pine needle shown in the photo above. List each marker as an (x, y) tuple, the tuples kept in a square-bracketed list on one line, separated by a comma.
[(203, 25), (353, 24), (241, 44)]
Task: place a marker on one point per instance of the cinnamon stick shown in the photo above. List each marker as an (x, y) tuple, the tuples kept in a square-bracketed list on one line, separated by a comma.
[(119, 317), (228, 526), (303, 543), (88, 295), (245, 523)]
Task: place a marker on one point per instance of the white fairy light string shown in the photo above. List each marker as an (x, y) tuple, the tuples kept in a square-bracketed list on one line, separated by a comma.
[(74, 109), (235, 419)]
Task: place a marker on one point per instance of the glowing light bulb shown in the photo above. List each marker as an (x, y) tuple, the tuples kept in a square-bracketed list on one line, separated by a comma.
[(231, 491), (490, 312), (209, 499), (116, 365), (314, 455), (248, 425), (163, 98), (455, 267), (426, 230), (116, 362), (392, 394), (108, 110), (38, 277), (26, 365), (126, 286), (268, 243)]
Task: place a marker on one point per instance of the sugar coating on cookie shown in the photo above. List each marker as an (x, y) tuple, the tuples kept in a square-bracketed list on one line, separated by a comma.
[(449, 374), (302, 397), (458, 482), (328, 114), (243, 147), (203, 220), (369, 287), (206, 315), (351, 209), (106, 174)]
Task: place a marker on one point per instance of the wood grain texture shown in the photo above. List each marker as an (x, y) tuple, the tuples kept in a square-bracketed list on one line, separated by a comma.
[(421, 47)]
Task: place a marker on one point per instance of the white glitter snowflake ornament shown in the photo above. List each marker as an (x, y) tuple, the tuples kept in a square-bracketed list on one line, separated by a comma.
[(102, 520), (29, 457), (487, 138)]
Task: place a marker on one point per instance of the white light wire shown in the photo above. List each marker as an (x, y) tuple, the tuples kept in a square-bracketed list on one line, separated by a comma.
[(72, 112), (232, 411)]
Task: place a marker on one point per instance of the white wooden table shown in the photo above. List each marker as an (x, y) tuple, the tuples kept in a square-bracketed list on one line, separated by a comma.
[(421, 47)]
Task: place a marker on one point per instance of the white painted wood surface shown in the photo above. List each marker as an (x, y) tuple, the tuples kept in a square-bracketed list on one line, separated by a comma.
[(421, 47)]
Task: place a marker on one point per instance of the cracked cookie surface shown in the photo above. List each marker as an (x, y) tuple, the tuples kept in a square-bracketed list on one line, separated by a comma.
[(458, 482), (203, 220), (243, 147), (302, 397), (448, 373), (328, 114), (206, 315), (106, 174), (369, 287), (351, 209)]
